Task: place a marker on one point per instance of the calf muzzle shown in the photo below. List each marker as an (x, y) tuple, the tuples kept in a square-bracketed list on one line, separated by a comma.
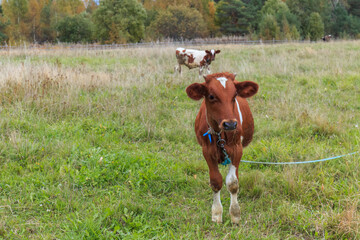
[(229, 125)]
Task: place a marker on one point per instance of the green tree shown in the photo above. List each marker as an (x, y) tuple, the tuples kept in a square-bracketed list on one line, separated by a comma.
[(179, 22), (354, 7), (286, 21), (33, 30), (15, 11), (75, 29), (46, 19), (3, 24), (269, 28), (316, 26), (120, 21), (344, 23), (254, 8), (354, 26), (233, 17), (302, 9), (205, 7), (68, 7), (91, 6), (340, 21)]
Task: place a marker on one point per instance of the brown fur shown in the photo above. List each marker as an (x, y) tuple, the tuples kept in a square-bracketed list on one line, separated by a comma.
[(190, 58), (223, 108)]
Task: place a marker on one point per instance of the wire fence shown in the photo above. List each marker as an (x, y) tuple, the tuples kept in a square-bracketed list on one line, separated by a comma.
[(195, 42)]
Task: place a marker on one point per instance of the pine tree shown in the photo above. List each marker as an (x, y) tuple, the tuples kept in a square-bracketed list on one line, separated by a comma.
[(233, 17), (316, 26)]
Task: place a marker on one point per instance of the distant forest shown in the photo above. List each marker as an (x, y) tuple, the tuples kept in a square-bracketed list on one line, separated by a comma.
[(126, 21)]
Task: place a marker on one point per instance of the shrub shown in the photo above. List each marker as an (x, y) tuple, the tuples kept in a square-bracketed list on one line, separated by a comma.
[(75, 29), (120, 21), (179, 22)]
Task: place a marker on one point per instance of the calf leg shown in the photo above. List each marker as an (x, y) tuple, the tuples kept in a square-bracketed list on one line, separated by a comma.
[(200, 71), (216, 183), (216, 208), (178, 68), (208, 69), (232, 184)]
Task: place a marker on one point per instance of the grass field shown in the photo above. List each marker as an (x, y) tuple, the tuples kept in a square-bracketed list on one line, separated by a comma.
[(100, 145)]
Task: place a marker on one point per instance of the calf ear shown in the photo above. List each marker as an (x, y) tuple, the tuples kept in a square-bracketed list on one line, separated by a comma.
[(207, 51), (246, 89), (217, 51), (196, 91)]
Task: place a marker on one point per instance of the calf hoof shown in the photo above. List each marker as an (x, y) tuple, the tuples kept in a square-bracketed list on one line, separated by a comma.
[(217, 218), (217, 214), (235, 213)]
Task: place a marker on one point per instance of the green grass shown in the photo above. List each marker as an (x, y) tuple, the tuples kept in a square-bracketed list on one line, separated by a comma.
[(100, 145)]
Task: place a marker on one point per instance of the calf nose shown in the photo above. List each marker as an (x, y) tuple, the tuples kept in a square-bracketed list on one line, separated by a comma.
[(230, 125)]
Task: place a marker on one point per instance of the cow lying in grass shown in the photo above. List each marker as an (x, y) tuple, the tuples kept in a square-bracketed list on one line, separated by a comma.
[(195, 58), (223, 126)]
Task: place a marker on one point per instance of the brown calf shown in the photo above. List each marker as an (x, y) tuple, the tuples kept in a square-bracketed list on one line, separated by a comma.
[(223, 126)]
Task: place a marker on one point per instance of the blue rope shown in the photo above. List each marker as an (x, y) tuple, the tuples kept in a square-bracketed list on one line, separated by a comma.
[(226, 160), (313, 161), (208, 134)]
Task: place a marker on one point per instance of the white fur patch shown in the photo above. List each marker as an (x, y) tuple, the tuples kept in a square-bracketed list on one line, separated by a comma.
[(217, 208), (230, 179), (238, 107), (216, 198), (197, 55), (231, 176), (222, 80)]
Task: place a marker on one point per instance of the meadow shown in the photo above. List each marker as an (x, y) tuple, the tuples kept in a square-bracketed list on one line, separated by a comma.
[(101, 145)]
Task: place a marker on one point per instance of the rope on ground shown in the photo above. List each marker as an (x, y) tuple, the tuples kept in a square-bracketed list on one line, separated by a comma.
[(288, 163)]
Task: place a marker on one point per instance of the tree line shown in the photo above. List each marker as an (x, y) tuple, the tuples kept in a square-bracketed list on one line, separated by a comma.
[(125, 21)]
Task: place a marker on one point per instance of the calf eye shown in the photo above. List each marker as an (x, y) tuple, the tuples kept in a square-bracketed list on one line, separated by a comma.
[(211, 97)]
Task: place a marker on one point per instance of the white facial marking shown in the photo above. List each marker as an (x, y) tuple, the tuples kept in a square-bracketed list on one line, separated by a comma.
[(222, 80), (212, 51), (238, 107)]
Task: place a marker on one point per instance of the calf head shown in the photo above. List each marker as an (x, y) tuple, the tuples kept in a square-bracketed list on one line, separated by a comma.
[(220, 91), (210, 54)]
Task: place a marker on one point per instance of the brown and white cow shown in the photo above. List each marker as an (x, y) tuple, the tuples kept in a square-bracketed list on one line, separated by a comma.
[(327, 38), (225, 122), (195, 58)]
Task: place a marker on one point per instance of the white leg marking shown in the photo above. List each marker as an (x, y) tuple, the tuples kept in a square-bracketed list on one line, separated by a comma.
[(232, 185), (200, 72), (208, 70), (217, 208)]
